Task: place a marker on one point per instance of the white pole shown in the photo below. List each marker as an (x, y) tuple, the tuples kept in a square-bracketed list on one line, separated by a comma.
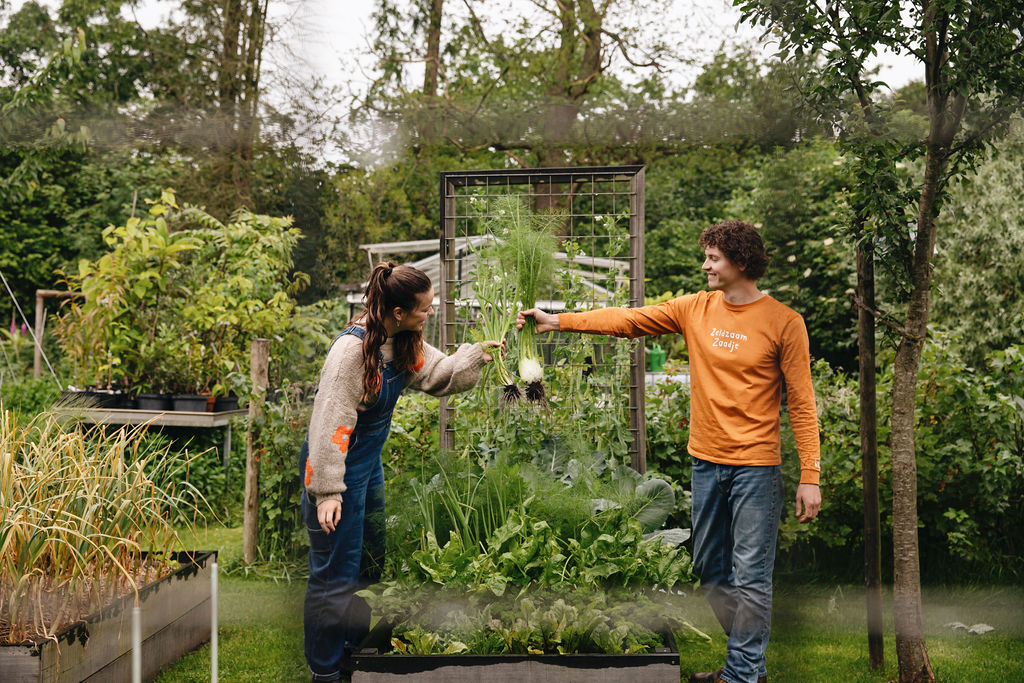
[(213, 624), (136, 645)]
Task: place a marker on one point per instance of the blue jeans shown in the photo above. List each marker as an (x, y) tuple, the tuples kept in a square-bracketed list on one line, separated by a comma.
[(349, 559), (336, 620), (736, 515)]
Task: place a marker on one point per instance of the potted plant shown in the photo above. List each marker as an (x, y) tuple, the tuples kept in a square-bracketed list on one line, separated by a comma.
[(109, 333), (174, 304), (227, 390)]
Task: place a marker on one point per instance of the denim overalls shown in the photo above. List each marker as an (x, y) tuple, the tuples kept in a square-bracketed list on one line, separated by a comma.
[(350, 558)]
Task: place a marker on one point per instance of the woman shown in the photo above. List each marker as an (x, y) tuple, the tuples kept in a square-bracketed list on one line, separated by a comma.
[(375, 358)]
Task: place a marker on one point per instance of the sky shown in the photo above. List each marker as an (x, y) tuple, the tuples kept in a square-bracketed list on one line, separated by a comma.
[(334, 36)]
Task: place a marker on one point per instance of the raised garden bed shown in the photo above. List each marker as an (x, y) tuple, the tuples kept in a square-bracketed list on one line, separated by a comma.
[(175, 619), (657, 667)]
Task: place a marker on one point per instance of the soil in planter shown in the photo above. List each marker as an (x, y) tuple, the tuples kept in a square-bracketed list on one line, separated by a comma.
[(61, 604), (176, 619)]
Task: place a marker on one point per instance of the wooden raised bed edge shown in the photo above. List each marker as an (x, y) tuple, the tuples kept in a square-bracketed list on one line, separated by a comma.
[(175, 618), (656, 667)]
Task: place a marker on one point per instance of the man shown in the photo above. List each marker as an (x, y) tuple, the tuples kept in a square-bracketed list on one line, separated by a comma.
[(743, 345)]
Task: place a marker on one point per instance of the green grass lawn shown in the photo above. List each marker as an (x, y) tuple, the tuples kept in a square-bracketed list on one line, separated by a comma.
[(818, 633)]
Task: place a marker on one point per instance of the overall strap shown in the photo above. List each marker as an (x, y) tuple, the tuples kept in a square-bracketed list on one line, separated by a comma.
[(358, 332), (354, 329)]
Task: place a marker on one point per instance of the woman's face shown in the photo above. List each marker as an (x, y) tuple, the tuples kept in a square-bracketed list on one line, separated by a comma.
[(413, 320)]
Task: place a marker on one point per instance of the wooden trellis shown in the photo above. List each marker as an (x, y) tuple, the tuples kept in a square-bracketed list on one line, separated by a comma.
[(589, 197)]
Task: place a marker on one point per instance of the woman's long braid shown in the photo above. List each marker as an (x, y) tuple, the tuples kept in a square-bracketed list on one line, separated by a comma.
[(389, 286)]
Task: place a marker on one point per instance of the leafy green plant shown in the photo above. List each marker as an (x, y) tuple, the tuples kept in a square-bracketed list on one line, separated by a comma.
[(242, 287), (570, 621), (16, 352), (176, 301), (495, 296), (29, 397), (970, 491), (108, 334), (280, 434), (526, 550)]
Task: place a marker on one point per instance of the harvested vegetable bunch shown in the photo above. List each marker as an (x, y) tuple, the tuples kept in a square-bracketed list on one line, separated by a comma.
[(495, 294), (527, 245)]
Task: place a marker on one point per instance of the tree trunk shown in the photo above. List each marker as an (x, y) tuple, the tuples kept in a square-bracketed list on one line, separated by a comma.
[(249, 97), (432, 61), (227, 73), (560, 111), (945, 112), (573, 77), (911, 651), (869, 454)]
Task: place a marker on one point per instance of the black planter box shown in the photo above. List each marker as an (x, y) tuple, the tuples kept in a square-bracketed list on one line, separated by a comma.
[(661, 666), (175, 619), (190, 403), (224, 403), (153, 402)]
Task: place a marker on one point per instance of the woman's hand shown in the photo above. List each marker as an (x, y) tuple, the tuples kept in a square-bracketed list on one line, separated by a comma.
[(491, 344), (328, 513), (546, 322)]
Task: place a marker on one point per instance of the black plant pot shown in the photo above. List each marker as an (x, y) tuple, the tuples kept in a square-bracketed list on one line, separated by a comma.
[(153, 402), (72, 397), (104, 398), (224, 403), (192, 403)]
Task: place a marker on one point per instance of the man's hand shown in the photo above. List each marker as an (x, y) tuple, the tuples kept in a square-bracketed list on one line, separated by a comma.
[(328, 513), (808, 502), (546, 322)]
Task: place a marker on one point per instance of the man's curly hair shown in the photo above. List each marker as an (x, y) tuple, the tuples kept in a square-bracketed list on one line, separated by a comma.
[(741, 244)]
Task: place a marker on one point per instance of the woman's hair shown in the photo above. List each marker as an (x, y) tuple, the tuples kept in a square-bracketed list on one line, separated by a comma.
[(741, 244), (390, 286)]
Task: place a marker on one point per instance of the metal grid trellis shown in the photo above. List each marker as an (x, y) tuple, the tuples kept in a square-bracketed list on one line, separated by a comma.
[(603, 242)]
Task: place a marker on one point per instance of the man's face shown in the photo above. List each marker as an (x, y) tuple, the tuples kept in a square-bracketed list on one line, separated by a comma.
[(722, 273)]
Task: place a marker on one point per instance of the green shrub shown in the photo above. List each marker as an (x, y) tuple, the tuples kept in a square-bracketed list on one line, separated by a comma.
[(668, 431), (174, 304), (970, 469), (29, 397), (282, 534)]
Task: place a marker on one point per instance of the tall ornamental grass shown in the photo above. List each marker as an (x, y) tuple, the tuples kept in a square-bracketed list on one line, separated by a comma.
[(78, 510)]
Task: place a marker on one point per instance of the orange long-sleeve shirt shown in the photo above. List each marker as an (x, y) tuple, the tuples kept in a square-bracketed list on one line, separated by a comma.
[(739, 358)]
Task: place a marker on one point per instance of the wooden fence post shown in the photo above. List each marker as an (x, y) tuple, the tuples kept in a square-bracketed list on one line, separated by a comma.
[(259, 375)]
